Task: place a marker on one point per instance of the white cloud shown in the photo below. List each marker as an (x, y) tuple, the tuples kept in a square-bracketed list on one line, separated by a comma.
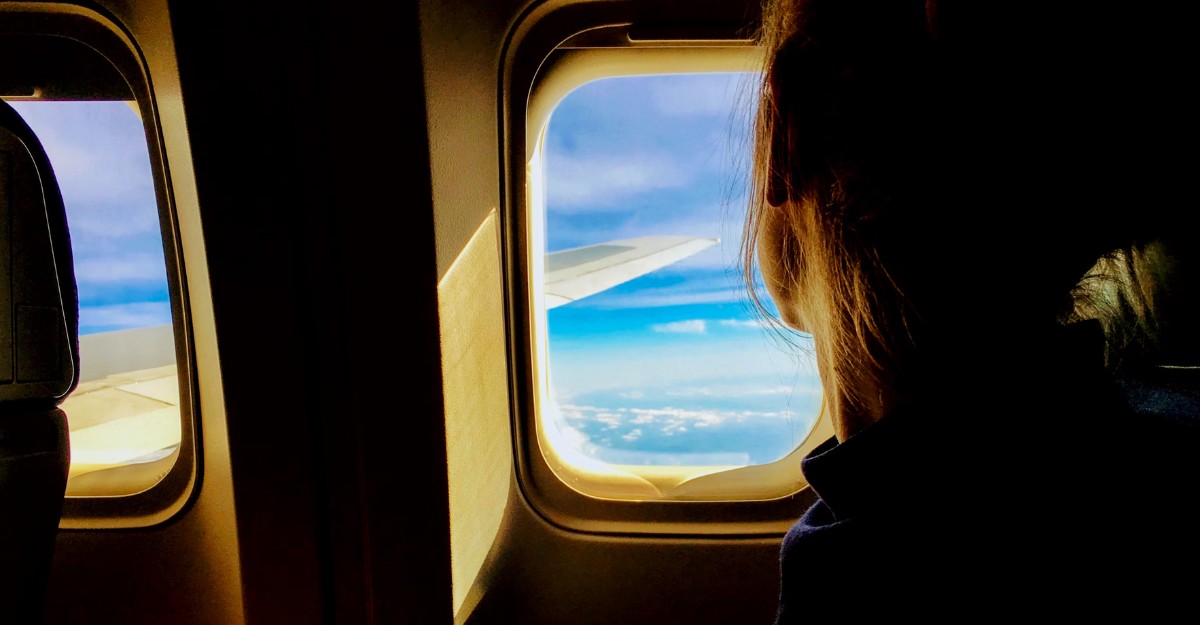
[(107, 172), (755, 391), (112, 221), (735, 358), (126, 268), (673, 426), (675, 417), (781, 389), (611, 421), (134, 315), (678, 417), (601, 182), (632, 395), (784, 390), (755, 324), (705, 94), (99, 156), (657, 298), (692, 392), (671, 421), (735, 392), (690, 326), (571, 411)]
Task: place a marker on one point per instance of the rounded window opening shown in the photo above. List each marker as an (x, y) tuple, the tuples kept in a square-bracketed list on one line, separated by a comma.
[(661, 379)]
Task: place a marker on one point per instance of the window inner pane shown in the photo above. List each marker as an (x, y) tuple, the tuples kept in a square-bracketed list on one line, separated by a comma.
[(124, 417), (671, 366)]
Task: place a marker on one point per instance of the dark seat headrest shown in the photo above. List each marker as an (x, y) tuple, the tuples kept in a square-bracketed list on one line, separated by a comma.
[(39, 307)]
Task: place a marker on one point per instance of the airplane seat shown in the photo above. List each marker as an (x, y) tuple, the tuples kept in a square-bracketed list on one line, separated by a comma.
[(1145, 299), (39, 364)]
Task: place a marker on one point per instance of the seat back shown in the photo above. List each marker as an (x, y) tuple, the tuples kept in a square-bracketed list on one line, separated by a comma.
[(39, 364)]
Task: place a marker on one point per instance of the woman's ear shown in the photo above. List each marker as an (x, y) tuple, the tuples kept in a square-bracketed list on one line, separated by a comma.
[(778, 262)]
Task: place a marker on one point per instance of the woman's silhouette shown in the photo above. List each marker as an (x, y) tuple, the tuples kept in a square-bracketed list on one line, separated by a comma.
[(934, 182)]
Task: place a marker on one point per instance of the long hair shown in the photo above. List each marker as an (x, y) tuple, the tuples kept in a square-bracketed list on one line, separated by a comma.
[(822, 182), (923, 173)]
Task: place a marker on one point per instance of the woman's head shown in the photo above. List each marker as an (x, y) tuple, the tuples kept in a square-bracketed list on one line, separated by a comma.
[(925, 171)]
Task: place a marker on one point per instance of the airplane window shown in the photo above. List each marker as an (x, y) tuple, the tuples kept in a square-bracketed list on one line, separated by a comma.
[(124, 416), (656, 356)]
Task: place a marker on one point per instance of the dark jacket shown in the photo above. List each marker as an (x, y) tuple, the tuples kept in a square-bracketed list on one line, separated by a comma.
[(1039, 495)]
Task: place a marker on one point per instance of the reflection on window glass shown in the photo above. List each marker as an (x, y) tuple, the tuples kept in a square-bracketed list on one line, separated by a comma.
[(124, 416), (671, 366)]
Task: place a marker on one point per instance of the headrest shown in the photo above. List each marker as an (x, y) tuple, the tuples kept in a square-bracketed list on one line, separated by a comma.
[(39, 306)]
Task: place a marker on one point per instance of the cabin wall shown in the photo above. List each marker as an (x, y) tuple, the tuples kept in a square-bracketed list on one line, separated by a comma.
[(322, 490), (511, 565), (311, 156), (461, 46)]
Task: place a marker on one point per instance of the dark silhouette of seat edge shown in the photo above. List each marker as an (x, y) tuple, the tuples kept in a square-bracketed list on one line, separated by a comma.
[(39, 364)]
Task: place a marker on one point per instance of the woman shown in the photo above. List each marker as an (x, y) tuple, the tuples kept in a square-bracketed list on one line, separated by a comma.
[(932, 184)]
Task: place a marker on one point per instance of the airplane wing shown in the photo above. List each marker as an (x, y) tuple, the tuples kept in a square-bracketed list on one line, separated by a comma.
[(577, 273), (124, 416)]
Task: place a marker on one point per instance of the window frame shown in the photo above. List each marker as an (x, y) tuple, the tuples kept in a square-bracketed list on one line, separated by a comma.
[(555, 55), (178, 488)]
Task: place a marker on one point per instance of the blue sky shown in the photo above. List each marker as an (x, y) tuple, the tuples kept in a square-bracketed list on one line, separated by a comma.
[(673, 367), (98, 153)]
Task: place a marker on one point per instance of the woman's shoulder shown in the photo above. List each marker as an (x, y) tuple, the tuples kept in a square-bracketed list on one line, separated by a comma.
[(1084, 484)]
